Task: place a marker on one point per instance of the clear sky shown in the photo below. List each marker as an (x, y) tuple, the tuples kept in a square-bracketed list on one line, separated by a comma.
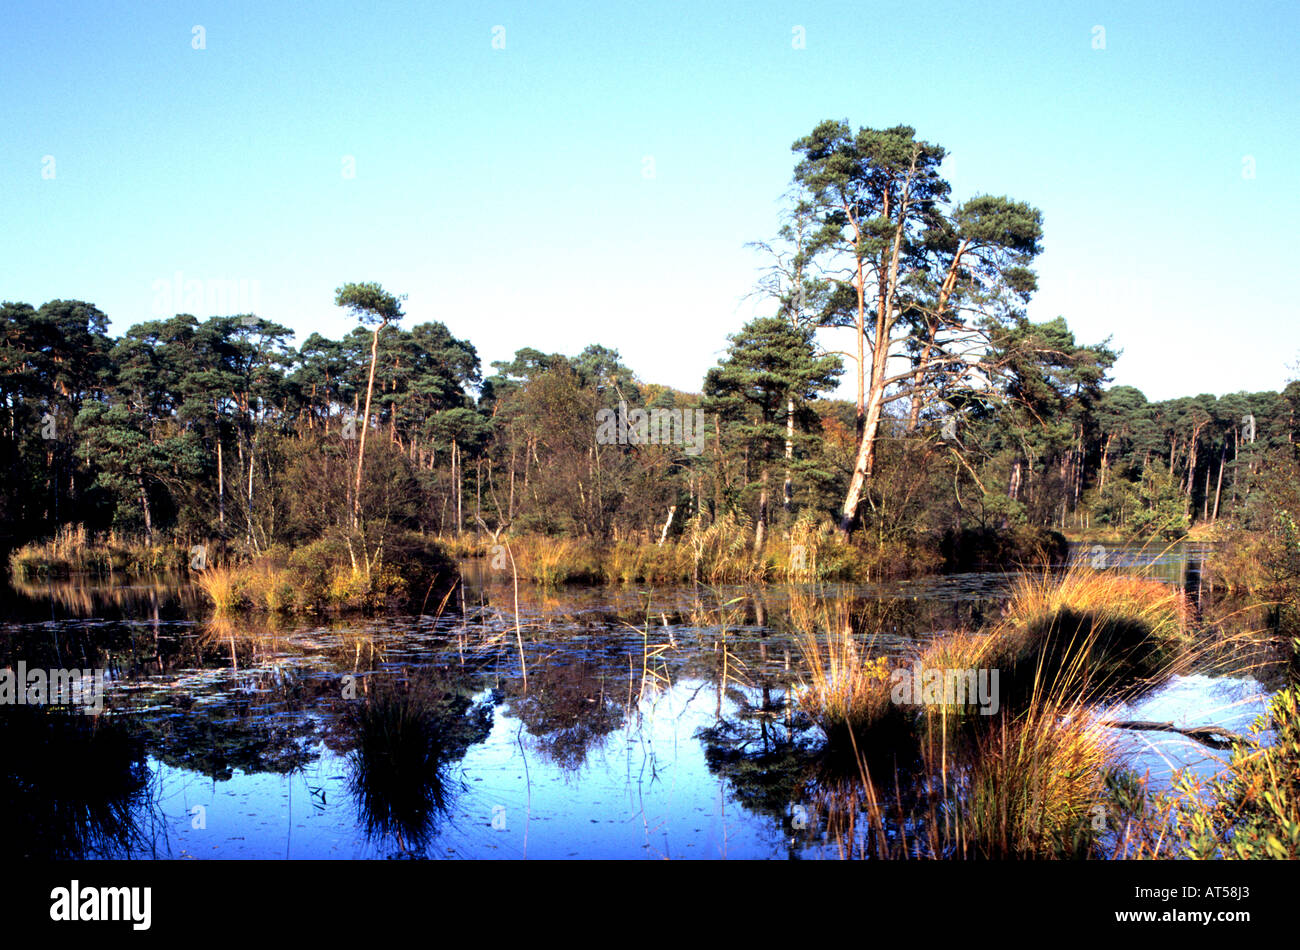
[(597, 179)]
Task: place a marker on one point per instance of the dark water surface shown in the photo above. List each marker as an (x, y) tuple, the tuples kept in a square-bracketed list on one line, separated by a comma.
[(636, 723)]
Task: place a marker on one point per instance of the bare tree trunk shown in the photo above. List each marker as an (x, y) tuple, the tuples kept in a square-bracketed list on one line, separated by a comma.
[(510, 505), (221, 485), (365, 424), (663, 535), (886, 294), (1236, 452), (144, 507), (1105, 461), (760, 528), (862, 467), (787, 490), (455, 474), (1218, 487), (1205, 507)]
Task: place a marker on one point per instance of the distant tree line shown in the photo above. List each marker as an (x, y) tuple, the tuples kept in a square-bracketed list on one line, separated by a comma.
[(966, 415)]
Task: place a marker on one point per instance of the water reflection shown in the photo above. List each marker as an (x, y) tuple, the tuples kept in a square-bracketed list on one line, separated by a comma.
[(71, 786), (405, 737), (653, 722)]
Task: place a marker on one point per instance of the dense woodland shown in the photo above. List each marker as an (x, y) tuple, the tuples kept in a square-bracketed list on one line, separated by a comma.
[(967, 416), (221, 428)]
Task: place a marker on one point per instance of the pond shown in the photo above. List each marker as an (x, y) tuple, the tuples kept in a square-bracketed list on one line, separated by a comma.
[(609, 722)]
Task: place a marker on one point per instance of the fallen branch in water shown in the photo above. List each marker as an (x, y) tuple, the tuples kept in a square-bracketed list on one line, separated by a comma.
[(1213, 736)]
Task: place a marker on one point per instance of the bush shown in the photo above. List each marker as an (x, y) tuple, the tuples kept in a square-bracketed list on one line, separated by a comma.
[(1253, 811), (407, 571)]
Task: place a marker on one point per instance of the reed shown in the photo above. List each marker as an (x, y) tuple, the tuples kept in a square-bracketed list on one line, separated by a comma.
[(73, 550), (1028, 780), (550, 562), (847, 688), (1087, 634), (1110, 597), (221, 585), (1035, 786)]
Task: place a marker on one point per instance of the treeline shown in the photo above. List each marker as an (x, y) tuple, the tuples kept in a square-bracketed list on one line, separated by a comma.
[(967, 418), (221, 428)]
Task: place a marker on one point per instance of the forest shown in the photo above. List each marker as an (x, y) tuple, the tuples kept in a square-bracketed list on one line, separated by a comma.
[(223, 431), (968, 417)]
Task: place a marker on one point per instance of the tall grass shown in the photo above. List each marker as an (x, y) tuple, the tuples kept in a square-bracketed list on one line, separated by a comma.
[(554, 561), (221, 586), (847, 690), (1034, 787), (1086, 634), (1109, 597), (1029, 781), (74, 551)]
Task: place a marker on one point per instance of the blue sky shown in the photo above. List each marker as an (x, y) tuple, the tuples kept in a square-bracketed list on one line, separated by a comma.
[(507, 191)]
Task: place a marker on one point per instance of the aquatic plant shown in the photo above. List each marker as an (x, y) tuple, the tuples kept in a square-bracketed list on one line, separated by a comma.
[(1032, 786), (1106, 595), (405, 736), (221, 586), (73, 550), (71, 786), (1251, 811)]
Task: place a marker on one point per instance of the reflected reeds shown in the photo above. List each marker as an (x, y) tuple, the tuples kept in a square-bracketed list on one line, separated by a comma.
[(72, 786), (406, 735)]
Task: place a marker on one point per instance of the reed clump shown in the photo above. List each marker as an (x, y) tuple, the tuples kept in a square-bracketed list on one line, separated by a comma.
[(1110, 597), (552, 561), (221, 585), (1086, 634), (1024, 776), (330, 574), (1032, 785), (847, 689), (1065, 638), (73, 550)]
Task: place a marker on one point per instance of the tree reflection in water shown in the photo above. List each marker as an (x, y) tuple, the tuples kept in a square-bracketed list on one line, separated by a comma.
[(572, 705), (406, 734), (72, 786)]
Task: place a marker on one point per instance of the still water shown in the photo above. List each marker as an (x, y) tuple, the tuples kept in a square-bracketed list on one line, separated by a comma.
[(608, 723)]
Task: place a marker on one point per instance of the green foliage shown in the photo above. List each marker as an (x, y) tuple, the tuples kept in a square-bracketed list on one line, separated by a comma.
[(369, 303), (1253, 811), (219, 431), (1162, 511)]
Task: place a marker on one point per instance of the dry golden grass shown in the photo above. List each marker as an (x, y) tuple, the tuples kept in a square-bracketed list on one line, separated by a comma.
[(221, 586), (552, 561), (1029, 781), (1034, 785), (847, 689), (75, 551), (1162, 609)]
